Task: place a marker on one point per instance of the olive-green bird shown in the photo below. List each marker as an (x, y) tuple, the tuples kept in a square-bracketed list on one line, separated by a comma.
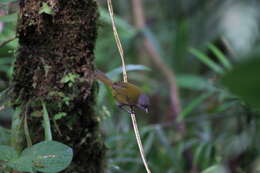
[(125, 94)]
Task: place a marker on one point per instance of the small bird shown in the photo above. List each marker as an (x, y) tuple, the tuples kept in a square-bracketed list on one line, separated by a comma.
[(125, 94)]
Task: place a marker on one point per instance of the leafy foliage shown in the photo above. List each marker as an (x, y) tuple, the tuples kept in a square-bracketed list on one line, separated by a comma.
[(69, 79), (206, 60), (46, 9), (47, 156), (219, 95)]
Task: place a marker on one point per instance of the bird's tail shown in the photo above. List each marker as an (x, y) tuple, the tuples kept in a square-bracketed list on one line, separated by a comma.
[(103, 78)]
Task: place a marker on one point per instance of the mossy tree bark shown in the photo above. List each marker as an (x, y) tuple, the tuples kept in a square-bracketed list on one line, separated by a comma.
[(55, 65)]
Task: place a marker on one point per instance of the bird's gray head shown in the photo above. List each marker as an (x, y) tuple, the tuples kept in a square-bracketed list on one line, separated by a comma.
[(143, 102)]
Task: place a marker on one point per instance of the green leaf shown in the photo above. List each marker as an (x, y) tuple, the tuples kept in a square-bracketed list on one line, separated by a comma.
[(7, 1), (7, 153), (193, 82), (23, 164), (222, 58), (46, 9), (59, 115), (5, 136), (16, 131), (198, 152), (244, 81), (207, 61), (130, 67), (215, 169), (51, 156), (47, 156), (70, 77), (6, 60), (193, 105), (9, 18)]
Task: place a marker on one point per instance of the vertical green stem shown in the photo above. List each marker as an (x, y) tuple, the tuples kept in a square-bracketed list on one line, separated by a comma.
[(17, 132), (26, 130), (46, 123)]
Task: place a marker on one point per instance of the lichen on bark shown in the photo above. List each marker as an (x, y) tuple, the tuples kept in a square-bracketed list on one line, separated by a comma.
[(55, 64)]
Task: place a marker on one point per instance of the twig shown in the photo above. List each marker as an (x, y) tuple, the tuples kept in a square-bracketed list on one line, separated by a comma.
[(157, 59), (57, 127), (139, 142), (228, 46), (120, 49), (7, 41), (118, 42), (169, 75)]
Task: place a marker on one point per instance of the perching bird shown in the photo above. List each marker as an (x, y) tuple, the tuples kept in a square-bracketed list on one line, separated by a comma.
[(125, 94)]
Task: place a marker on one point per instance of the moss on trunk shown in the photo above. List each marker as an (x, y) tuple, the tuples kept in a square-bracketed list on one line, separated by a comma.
[(55, 64)]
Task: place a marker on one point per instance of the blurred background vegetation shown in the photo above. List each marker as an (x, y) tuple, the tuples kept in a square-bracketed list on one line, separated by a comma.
[(200, 63)]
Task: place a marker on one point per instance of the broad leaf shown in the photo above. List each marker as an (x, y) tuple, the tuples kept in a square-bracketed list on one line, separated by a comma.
[(7, 153), (244, 81), (23, 164), (47, 156), (50, 156)]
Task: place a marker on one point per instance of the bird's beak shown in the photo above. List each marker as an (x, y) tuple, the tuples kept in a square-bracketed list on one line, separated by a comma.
[(146, 110)]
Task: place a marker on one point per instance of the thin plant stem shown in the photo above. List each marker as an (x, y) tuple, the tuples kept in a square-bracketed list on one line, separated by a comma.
[(118, 42), (139, 142), (57, 127), (2, 108), (151, 49), (16, 132), (121, 52), (26, 129), (7, 41)]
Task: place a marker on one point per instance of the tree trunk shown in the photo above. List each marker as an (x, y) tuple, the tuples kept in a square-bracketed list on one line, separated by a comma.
[(55, 65)]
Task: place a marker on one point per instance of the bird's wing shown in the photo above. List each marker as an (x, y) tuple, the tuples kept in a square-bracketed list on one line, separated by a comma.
[(125, 93)]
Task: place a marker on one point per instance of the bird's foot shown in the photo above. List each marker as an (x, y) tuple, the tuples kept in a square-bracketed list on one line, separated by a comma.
[(131, 111)]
